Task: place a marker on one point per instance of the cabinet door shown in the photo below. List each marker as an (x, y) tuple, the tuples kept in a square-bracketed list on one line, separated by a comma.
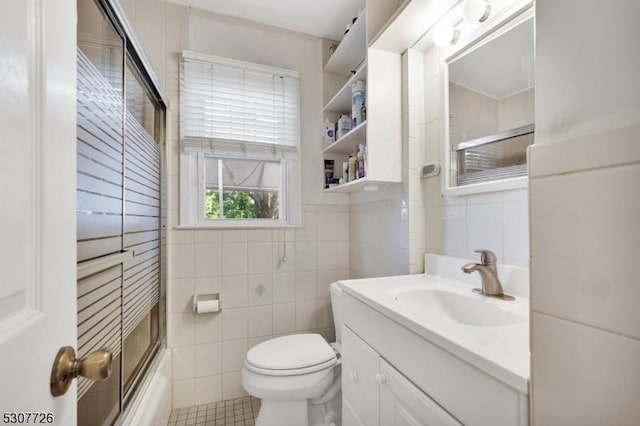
[(403, 404), (359, 386), (349, 415)]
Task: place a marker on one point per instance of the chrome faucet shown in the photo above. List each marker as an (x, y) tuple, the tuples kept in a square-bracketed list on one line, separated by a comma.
[(488, 273)]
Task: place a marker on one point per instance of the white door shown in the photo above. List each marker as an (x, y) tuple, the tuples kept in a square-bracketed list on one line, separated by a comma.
[(37, 205)]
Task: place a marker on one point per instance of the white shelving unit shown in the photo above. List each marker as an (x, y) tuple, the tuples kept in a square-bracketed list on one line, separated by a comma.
[(351, 51), (381, 131)]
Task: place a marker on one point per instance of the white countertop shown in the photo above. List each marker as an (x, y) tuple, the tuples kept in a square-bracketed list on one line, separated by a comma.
[(500, 351)]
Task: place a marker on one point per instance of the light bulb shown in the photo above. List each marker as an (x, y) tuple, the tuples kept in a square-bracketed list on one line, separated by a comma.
[(444, 35), (476, 10)]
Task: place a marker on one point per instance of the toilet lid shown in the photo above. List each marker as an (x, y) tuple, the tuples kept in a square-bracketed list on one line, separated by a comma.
[(298, 351)]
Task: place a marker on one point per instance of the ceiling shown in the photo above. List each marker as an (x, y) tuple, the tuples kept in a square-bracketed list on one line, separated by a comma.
[(501, 67), (322, 18)]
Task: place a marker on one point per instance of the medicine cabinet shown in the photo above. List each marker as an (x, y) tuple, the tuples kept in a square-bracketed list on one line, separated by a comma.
[(490, 92)]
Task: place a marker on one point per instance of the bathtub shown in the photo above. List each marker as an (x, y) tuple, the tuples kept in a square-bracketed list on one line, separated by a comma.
[(152, 406)]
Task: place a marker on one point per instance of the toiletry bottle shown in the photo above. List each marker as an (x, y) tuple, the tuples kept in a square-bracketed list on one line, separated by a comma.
[(345, 172), (328, 137), (352, 168), (344, 125), (357, 99), (360, 173), (328, 172)]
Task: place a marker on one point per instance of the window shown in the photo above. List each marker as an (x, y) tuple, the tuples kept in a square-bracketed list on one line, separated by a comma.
[(239, 136)]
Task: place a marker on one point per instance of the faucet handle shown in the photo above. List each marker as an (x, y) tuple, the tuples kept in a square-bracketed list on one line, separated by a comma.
[(486, 256)]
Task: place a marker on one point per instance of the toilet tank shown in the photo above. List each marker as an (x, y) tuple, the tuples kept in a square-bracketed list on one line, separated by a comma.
[(336, 306)]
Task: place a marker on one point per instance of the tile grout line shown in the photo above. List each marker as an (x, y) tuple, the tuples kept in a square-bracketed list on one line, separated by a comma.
[(237, 412)]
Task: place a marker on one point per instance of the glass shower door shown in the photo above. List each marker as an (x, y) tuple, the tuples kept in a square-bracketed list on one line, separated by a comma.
[(120, 232), (100, 105)]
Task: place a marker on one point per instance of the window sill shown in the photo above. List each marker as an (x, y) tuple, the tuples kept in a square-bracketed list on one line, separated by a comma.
[(480, 188), (236, 226)]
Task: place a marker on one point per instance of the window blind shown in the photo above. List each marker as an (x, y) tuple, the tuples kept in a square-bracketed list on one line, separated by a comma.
[(238, 109)]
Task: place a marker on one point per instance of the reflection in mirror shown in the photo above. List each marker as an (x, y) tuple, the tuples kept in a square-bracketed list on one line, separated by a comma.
[(491, 107)]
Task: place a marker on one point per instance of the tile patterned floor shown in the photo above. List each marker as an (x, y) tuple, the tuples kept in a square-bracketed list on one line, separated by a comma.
[(236, 412)]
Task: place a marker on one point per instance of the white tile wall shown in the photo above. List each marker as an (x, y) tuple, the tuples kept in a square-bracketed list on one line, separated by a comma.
[(583, 375), (234, 292), (260, 289), (583, 250), (208, 389), (585, 169), (261, 296), (208, 359), (379, 243), (284, 287)]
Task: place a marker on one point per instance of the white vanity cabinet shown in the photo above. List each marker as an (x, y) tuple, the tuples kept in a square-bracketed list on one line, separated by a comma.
[(392, 375), (376, 394)]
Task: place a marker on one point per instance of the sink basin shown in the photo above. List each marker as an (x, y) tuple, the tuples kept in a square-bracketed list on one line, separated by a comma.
[(456, 308)]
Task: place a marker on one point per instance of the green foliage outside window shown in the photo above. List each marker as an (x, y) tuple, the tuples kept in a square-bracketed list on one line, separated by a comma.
[(241, 205)]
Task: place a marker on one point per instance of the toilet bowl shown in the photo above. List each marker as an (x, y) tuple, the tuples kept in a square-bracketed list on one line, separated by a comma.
[(297, 377)]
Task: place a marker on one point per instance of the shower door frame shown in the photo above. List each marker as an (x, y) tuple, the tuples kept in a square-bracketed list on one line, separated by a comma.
[(134, 54)]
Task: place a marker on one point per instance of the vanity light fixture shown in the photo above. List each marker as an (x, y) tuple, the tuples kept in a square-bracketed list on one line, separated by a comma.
[(476, 10), (444, 35)]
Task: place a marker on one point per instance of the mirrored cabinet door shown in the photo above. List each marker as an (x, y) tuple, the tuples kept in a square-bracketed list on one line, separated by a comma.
[(491, 92)]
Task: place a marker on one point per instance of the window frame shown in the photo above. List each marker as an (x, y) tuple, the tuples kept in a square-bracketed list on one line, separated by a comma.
[(192, 174), (282, 188)]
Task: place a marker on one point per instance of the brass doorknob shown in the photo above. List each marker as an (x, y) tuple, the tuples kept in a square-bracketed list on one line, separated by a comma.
[(96, 366)]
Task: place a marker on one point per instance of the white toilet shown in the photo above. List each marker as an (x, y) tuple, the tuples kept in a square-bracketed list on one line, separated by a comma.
[(298, 377)]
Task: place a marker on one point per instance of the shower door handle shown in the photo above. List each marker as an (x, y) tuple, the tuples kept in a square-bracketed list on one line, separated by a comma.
[(95, 366)]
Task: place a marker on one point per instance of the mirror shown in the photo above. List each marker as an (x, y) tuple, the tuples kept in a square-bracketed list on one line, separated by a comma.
[(491, 90)]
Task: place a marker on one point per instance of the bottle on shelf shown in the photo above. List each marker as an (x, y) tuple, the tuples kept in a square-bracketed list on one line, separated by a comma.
[(344, 126), (352, 168), (360, 161), (328, 135), (357, 100), (328, 173), (345, 173)]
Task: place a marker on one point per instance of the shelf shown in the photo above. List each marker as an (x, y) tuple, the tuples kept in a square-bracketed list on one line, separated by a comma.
[(341, 102), (347, 143), (358, 185), (352, 49)]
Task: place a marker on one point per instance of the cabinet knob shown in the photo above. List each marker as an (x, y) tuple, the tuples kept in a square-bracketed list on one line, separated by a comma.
[(353, 376), (380, 378)]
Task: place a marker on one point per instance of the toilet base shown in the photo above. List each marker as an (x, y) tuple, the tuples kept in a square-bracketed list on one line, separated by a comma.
[(282, 413), (327, 414), (301, 413)]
